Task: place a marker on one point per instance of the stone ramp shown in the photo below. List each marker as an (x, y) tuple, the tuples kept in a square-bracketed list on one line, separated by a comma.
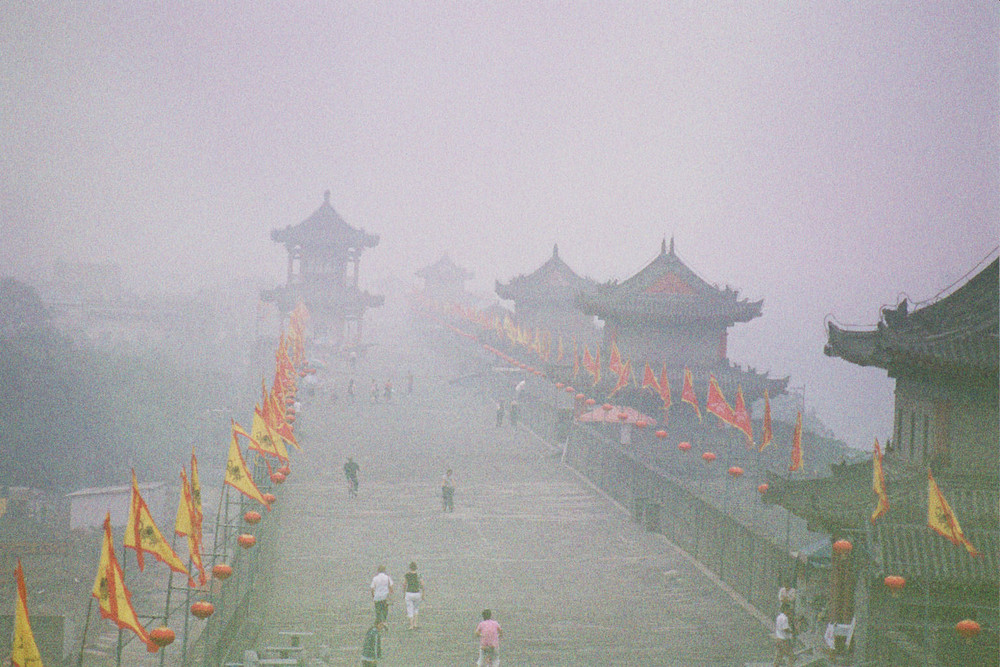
[(569, 578)]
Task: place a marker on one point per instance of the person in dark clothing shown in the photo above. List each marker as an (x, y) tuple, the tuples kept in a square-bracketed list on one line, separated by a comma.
[(351, 469), (371, 649), (500, 411), (515, 411), (412, 595), (350, 390), (448, 492)]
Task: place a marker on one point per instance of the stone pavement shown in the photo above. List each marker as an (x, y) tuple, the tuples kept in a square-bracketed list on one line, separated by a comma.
[(569, 578)]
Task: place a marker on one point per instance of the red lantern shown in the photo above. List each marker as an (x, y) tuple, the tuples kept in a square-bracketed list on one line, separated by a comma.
[(202, 610), (968, 629), (269, 498), (735, 471), (277, 478), (580, 397), (285, 470), (252, 517), (222, 571), (684, 446), (708, 457), (622, 416), (842, 547), (641, 423), (559, 385), (246, 540), (661, 434), (162, 636), (894, 583), (762, 488), (570, 390), (290, 418), (590, 402)]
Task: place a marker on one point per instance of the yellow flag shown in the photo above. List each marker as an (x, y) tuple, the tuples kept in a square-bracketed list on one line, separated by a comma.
[(198, 517), (113, 598), (238, 477), (265, 437), (142, 535), (878, 484), (185, 526), (24, 651), (942, 520)]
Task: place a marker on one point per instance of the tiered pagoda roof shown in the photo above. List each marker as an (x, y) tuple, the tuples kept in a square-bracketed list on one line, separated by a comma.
[(956, 334), (667, 289), (324, 227), (444, 271), (552, 281)]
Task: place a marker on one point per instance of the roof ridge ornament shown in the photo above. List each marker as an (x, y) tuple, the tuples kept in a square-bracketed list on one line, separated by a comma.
[(671, 244), (326, 197), (555, 249), (663, 245)]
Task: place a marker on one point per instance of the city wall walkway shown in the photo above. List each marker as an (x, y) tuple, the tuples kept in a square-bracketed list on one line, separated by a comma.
[(570, 579)]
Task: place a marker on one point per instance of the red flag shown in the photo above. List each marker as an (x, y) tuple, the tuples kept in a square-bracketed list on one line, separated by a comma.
[(716, 403), (765, 439), (576, 360), (597, 368), (942, 520), (688, 395), (615, 360), (649, 380), (741, 418), (664, 389), (588, 361), (623, 378), (797, 445)]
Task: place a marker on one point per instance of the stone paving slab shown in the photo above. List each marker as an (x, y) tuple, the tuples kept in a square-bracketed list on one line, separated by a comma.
[(569, 578)]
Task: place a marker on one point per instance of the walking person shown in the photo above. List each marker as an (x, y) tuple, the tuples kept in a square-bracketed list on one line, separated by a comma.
[(371, 649), (381, 588), (350, 390), (489, 634), (500, 411), (448, 491), (515, 411), (351, 469), (783, 636), (413, 594)]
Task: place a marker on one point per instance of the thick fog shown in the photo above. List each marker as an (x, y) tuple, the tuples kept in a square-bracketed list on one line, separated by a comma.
[(826, 157)]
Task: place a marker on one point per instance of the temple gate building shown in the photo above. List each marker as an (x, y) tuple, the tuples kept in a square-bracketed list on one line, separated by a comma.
[(445, 281), (323, 257), (666, 313), (547, 298)]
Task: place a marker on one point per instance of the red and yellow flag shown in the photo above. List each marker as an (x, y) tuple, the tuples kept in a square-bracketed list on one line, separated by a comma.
[(559, 351), (265, 438), (687, 393), (588, 361), (797, 444), (597, 368), (649, 380), (23, 651), (186, 525), (113, 598), (717, 404), (274, 414), (663, 388), (741, 418), (942, 520), (878, 483), (623, 378), (615, 359), (239, 477), (576, 360), (142, 535), (767, 435)]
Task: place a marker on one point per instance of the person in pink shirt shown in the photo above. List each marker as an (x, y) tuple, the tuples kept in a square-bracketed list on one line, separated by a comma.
[(489, 634)]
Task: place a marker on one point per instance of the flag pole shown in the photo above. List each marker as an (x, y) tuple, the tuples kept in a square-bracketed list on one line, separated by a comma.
[(187, 616), (170, 586), (86, 626), (118, 646)]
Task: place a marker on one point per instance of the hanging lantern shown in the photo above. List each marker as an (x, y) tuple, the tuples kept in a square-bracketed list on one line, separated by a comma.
[(894, 583), (684, 446), (607, 407), (162, 636), (559, 385), (580, 397), (246, 540), (222, 571), (285, 470), (570, 390), (661, 434), (269, 498), (708, 457), (641, 423), (202, 610), (622, 415), (762, 488), (290, 418), (735, 471), (252, 517), (277, 478), (842, 547), (968, 629), (590, 402)]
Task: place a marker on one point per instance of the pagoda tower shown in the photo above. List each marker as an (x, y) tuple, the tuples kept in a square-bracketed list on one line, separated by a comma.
[(444, 280), (666, 313), (547, 298), (323, 257)]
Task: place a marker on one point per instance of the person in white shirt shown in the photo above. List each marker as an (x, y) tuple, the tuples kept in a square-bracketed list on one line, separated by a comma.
[(381, 589), (783, 637)]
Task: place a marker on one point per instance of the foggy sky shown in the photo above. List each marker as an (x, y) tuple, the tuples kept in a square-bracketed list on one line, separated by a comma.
[(827, 157)]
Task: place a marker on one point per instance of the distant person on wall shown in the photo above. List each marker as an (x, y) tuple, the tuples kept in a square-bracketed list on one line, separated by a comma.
[(413, 594), (783, 637), (371, 649), (448, 491), (409, 382), (351, 469), (381, 588), (515, 412), (489, 634), (388, 390), (500, 411), (350, 390)]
